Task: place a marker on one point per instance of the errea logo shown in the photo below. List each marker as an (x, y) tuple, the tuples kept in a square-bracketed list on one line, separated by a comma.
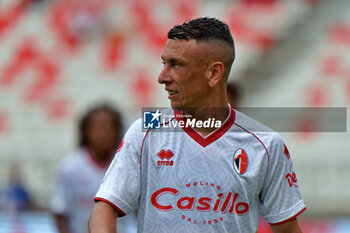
[(165, 156)]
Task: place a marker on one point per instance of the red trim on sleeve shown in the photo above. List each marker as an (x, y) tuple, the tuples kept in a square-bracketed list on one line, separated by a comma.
[(278, 223), (120, 212)]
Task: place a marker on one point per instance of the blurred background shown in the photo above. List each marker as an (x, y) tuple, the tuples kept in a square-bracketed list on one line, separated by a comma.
[(59, 58)]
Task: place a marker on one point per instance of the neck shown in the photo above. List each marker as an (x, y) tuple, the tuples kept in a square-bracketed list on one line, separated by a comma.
[(213, 106), (101, 157), (218, 113)]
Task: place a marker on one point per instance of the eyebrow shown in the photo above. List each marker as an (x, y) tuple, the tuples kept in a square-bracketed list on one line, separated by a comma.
[(173, 60)]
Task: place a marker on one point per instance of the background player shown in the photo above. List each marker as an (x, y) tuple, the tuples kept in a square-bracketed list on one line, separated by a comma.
[(234, 94), (80, 173), (219, 180)]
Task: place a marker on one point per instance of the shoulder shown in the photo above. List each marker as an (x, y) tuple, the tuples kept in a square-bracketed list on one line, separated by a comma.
[(249, 124), (136, 131), (267, 137), (136, 125), (133, 138)]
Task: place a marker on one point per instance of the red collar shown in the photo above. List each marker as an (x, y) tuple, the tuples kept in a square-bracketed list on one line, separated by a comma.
[(213, 136)]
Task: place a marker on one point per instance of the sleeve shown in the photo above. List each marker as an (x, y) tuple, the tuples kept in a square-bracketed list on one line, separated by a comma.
[(280, 197), (61, 197), (121, 184)]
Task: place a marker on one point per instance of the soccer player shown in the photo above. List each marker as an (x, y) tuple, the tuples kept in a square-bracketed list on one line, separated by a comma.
[(196, 179), (81, 173), (234, 94)]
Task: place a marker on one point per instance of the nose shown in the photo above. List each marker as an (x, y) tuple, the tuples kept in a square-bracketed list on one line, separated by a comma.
[(164, 76)]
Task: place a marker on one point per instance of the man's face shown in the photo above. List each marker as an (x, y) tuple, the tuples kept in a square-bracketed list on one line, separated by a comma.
[(185, 73), (102, 132)]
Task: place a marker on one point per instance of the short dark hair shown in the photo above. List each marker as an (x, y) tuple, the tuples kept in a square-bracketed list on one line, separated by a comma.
[(85, 122), (203, 29)]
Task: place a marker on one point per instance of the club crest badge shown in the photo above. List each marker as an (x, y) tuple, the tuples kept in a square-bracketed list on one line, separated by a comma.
[(240, 161)]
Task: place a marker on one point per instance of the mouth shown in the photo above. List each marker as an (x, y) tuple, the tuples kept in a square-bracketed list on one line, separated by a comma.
[(171, 92)]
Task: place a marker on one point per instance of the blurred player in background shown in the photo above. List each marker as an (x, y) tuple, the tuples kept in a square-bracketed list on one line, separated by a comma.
[(196, 179), (80, 173), (234, 94)]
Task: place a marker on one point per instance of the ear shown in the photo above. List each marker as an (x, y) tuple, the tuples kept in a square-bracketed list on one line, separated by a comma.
[(215, 73)]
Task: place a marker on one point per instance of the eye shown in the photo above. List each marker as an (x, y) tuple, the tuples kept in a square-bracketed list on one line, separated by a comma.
[(163, 63)]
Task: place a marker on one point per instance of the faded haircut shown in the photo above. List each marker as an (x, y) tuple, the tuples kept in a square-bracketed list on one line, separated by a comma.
[(203, 29)]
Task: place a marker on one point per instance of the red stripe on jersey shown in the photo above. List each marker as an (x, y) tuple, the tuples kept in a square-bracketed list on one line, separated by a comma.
[(215, 135), (120, 212), (291, 218), (143, 140), (267, 152)]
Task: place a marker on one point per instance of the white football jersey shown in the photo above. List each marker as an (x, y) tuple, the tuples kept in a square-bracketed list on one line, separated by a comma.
[(184, 182), (77, 181)]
